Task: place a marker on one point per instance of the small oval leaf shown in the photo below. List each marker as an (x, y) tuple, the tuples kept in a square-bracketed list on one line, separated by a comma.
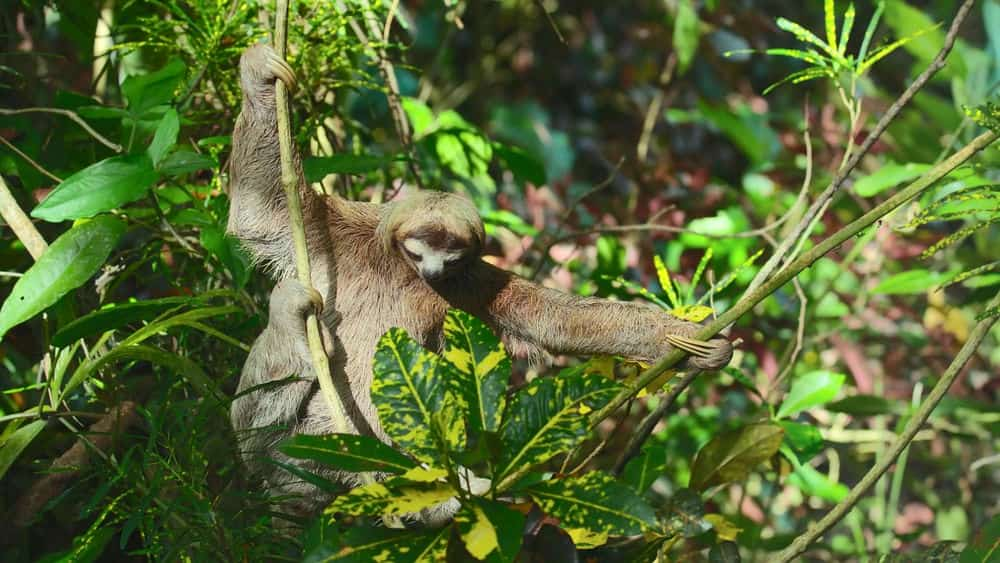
[(810, 390), (731, 456)]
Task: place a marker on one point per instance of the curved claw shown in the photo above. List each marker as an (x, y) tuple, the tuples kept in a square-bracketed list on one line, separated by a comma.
[(280, 69)]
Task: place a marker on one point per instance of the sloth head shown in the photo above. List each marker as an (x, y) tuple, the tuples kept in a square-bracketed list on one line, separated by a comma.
[(436, 233)]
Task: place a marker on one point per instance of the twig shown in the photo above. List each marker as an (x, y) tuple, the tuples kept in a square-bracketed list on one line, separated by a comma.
[(752, 298), (805, 225), (653, 111), (902, 441), (70, 114), (31, 161), (290, 182), (552, 22), (23, 228), (645, 429)]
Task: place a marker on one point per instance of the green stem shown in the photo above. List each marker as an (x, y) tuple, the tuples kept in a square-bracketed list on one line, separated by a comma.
[(902, 441), (785, 275)]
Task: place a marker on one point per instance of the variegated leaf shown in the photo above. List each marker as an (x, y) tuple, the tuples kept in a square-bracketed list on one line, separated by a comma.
[(411, 396), (415, 490), (482, 368), (349, 452), (594, 503), (549, 416), (362, 544)]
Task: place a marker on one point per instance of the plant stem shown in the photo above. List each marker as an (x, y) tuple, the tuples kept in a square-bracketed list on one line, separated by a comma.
[(290, 181), (752, 298), (22, 226), (901, 443)]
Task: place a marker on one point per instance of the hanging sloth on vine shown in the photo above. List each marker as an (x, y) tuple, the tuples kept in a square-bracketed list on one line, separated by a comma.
[(378, 266)]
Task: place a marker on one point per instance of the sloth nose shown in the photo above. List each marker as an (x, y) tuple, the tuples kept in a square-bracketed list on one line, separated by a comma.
[(432, 273)]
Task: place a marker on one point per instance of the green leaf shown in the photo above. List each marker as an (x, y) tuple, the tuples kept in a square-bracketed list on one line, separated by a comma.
[(594, 502), (687, 514), (806, 36), (165, 137), (228, 250), (316, 168), (146, 91), (547, 417), (525, 166), (477, 532), (909, 283), (421, 116), (364, 544), (99, 187), (12, 447), (863, 405), (66, 265), (830, 13), (803, 439), (482, 369), (410, 392), (888, 176), (731, 456), (509, 526), (812, 482), (414, 491), (984, 545), (115, 316), (810, 390), (181, 162), (686, 34), (348, 452), (845, 33), (133, 352), (642, 470)]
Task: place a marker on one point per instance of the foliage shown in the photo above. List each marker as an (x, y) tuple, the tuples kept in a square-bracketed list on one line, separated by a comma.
[(612, 152)]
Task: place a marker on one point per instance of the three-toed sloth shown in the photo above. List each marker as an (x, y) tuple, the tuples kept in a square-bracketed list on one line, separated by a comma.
[(399, 264)]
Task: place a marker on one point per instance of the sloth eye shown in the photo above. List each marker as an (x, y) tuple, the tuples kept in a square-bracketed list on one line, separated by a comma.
[(413, 255)]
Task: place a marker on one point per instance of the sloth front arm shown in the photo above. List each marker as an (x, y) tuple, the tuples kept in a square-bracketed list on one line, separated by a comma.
[(564, 323)]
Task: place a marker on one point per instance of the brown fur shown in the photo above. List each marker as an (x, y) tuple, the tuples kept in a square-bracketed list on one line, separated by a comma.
[(369, 287)]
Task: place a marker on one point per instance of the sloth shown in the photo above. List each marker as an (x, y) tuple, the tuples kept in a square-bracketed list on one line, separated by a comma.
[(378, 266)]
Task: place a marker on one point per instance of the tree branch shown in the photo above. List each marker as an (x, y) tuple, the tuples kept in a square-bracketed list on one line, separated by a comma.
[(902, 441), (22, 226), (72, 115)]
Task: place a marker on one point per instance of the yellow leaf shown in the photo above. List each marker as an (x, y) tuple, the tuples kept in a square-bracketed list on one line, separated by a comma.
[(601, 365), (586, 539), (481, 539), (425, 475), (693, 313), (658, 383), (726, 530)]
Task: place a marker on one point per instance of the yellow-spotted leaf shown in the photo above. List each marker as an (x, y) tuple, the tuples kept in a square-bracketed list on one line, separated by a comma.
[(478, 533), (395, 496), (482, 368), (731, 456), (363, 544), (587, 539), (693, 313), (724, 529), (595, 502), (490, 530), (410, 393), (349, 452), (545, 419)]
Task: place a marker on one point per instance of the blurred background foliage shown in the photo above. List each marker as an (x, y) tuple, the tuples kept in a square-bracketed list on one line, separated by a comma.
[(602, 142)]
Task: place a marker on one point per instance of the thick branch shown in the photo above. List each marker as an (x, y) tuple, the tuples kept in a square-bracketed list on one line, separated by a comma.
[(23, 228), (752, 298), (902, 441)]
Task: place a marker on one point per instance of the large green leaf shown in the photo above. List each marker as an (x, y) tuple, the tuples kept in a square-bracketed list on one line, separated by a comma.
[(804, 440), (12, 447), (731, 456), (985, 544), (348, 452), (99, 187), (65, 266), (812, 389), (549, 416), (410, 392), (910, 282), (594, 502), (363, 544), (411, 492), (482, 369)]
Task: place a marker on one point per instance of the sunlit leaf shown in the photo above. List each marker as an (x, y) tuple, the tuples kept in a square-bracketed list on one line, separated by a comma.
[(100, 187), (165, 136), (395, 496), (731, 456), (803, 439), (908, 283), (16, 442), (810, 390), (69, 262), (887, 176), (686, 34), (482, 369), (814, 483)]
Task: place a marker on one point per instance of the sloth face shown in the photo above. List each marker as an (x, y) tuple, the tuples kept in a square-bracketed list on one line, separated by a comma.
[(436, 257)]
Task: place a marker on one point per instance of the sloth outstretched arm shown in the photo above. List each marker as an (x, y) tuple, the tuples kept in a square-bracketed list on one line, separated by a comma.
[(563, 323)]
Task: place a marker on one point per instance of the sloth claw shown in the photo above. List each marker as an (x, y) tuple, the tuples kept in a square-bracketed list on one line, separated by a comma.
[(264, 65)]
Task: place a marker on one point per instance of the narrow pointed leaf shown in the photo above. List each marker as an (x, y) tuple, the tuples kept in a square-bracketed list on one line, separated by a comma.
[(845, 33), (548, 417), (410, 392), (69, 262), (17, 442), (363, 544), (830, 13), (594, 502), (165, 137), (731, 456), (116, 316), (806, 36), (348, 452), (482, 369)]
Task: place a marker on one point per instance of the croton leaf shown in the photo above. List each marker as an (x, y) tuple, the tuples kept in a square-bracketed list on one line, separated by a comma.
[(594, 502), (349, 452), (482, 368)]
